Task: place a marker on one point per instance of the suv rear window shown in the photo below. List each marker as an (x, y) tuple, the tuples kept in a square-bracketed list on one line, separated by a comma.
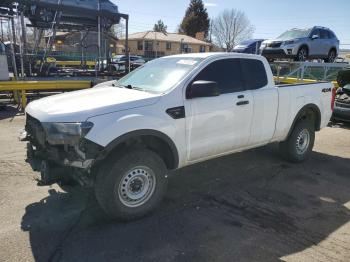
[(254, 74), (331, 34)]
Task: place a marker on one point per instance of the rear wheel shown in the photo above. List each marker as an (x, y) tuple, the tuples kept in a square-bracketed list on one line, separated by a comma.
[(132, 185), (302, 54), (332, 55), (300, 142)]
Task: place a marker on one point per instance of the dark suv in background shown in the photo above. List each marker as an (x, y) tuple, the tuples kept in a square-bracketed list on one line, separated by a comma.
[(250, 46), (303, 44)]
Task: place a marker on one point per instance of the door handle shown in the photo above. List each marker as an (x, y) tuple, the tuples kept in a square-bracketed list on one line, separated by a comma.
[(240, 96), (242, 103)]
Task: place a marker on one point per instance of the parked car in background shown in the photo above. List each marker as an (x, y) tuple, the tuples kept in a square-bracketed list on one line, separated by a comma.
[(303, 44), (118, 62), (4, 71), (8, 51), (250, 46), (74, 12)]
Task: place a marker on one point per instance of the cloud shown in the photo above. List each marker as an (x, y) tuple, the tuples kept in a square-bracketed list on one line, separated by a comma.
[(210, 4)]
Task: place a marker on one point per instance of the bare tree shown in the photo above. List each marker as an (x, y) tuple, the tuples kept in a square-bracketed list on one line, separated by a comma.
[(230, 27)]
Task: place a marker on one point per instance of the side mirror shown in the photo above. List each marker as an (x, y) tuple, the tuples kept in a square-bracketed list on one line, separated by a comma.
[(202, 88), (314, 37)]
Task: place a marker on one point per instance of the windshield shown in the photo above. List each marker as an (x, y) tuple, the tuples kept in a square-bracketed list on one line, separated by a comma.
[(159, 75), (247, 42), (294, 33)]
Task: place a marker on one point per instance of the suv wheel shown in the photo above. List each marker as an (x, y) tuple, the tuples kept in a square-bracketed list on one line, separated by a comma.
[(302, 54), (132, 185), (332, 55)]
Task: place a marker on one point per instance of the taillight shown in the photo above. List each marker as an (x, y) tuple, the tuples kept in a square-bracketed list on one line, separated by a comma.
[(334, 92)]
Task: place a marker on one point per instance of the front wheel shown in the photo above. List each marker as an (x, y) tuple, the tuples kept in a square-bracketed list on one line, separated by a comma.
[(300, 142), (302, 54), (131, 186)]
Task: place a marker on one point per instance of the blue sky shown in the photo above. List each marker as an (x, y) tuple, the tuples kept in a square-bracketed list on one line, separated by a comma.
[(270, 17)]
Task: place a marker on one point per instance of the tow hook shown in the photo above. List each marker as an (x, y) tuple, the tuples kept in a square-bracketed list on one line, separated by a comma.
[(49, 173)]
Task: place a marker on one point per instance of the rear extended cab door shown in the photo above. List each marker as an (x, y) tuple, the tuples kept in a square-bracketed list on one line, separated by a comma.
[(259, 82)]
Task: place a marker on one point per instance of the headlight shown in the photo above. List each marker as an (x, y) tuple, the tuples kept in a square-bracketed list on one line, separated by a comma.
[(289, 42), (263, 45), (66, 133)]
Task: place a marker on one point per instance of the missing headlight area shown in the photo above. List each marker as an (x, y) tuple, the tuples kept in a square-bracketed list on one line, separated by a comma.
[(58, 147)]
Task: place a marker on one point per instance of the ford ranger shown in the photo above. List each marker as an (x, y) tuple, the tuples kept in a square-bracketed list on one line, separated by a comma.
[(123, 137)]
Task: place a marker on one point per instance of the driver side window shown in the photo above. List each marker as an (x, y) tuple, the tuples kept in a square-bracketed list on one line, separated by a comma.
[(316, 32), (226, 72)]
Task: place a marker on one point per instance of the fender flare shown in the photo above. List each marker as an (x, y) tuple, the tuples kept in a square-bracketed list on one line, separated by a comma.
[(139, 133), (312, 107)]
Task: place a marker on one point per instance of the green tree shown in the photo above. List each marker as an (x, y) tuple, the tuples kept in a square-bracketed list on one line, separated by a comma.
[(160, 27), (196, 19)]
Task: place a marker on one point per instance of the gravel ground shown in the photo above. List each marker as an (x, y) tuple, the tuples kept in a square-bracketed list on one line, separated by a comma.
[(250, 206)]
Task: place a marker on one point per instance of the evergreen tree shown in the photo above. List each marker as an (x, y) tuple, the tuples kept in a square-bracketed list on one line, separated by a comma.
[(160, 27), (196, 19)]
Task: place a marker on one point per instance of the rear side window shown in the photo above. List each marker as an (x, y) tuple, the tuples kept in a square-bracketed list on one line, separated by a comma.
[(324, 34), (331, 34), (254, 74), (227, 73)]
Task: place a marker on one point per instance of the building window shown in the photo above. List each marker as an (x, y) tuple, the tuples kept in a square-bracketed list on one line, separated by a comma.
[(202, 49), (168, 46), (140, 45), (149, 45), (186, 48)]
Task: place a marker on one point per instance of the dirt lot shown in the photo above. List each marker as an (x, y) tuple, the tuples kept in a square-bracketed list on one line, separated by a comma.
[(250, 206)]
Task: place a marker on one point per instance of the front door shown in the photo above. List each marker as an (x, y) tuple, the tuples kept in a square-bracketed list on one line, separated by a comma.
[(217, 125), (316, 45)]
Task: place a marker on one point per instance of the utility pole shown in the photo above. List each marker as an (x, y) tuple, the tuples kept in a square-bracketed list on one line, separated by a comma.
[(127, 53), (24, 40), (99, 36), (13, 55)]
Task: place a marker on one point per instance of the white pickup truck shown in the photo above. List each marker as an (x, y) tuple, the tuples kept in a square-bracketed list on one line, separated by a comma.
[(122, 137)]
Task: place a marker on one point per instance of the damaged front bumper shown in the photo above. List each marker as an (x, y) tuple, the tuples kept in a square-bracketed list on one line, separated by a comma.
[(61, 161)]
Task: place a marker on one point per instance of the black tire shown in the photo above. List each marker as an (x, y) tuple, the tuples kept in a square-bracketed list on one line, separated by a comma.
[(332, 55), (109, 186), (302, 54), (290, 149)]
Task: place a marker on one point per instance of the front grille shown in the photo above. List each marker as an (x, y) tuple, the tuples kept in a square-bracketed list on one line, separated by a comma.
[(35, 131), (342, 105), (275, 44)]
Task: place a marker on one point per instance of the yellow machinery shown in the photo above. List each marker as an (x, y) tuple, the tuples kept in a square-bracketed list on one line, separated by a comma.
[(23, 86), (293, 80)]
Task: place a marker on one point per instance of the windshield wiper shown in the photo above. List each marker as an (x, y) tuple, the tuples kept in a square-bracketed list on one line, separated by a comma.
[(135, 88), (129, 87)]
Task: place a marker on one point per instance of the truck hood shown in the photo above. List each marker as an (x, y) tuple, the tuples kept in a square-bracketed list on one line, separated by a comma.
[(80, 105)]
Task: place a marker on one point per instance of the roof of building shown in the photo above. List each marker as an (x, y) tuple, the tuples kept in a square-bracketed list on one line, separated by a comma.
[(168, 37)]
